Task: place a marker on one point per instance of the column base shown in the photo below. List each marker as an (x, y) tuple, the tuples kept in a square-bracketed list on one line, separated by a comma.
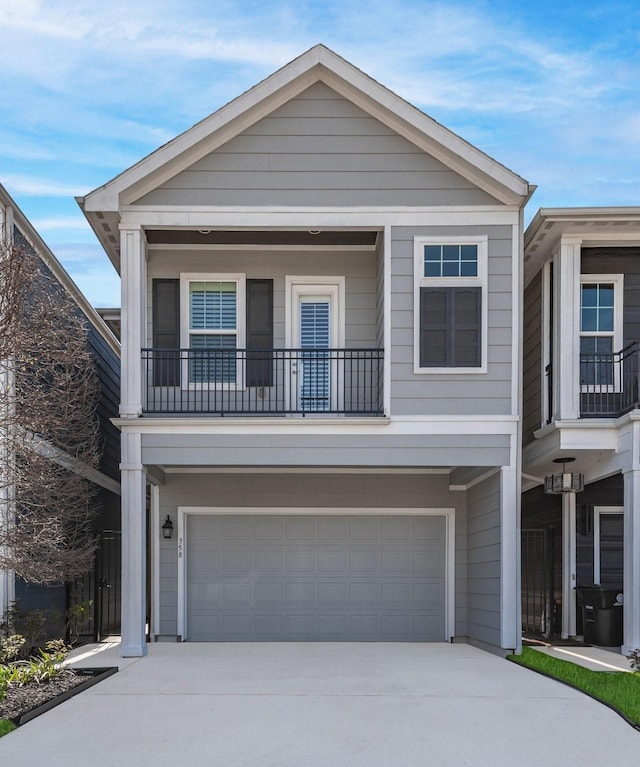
[(133, 651)]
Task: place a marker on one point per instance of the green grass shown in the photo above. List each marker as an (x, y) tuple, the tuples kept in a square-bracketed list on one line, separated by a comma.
[(6, 726), (620, 690)]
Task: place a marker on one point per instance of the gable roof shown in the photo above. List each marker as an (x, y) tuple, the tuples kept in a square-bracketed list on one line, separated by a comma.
[(319, 64)]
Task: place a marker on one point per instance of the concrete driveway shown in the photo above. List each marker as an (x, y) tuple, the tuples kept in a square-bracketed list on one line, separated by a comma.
[(311, 705)]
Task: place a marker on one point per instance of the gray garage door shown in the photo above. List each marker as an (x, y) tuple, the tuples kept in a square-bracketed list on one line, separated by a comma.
[(315, 578)]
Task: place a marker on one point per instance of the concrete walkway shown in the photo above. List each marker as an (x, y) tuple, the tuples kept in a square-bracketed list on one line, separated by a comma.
[(321, 705), (593, 658)]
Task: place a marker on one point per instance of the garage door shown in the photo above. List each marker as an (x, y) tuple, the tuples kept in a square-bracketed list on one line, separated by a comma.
[(315, 578)]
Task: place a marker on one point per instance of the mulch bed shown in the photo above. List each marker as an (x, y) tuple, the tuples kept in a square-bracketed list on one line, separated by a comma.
[(19, 700)]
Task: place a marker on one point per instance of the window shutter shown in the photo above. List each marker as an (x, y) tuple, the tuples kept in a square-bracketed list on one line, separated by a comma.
[(166, 332), (433, 327), (450, 327), (259, 332), (466, 327)]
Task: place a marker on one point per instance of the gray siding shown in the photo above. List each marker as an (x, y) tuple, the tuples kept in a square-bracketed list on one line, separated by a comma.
[(304, 491), (359, 270), (478, 394), (483, 573), (303, 450), (318, 149), (532, 359)]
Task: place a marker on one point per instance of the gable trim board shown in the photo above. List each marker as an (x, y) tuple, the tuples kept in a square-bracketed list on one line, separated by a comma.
[(449, 568)]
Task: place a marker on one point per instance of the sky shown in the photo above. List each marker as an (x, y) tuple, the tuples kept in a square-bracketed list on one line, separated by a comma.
[(551, 89)]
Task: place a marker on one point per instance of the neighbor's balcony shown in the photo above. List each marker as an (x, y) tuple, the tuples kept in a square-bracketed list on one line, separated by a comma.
[(609, 382), (266, 382)]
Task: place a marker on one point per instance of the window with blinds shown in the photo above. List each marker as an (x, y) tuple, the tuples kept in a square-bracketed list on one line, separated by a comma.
[(213, 327)]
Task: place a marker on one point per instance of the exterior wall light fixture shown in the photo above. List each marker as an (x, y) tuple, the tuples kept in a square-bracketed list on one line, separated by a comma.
[(167, 528), (566, 482)]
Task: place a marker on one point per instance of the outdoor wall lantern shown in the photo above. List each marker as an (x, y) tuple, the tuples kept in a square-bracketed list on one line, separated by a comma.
[(167, 528), (567, 482)]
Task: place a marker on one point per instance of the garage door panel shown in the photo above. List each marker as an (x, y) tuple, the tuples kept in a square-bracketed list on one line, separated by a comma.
[(317, 578), (268, 594), (300, 529)]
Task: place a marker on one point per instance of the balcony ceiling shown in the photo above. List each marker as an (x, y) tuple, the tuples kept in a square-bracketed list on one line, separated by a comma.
[(365, 240)]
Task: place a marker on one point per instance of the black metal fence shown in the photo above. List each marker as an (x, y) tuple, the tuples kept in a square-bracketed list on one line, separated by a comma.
[(538, 609), (263, 382), (609, 382)]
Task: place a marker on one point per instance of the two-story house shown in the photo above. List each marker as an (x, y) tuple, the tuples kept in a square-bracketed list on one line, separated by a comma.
[(320, 374), (101, 586), (581, 400)]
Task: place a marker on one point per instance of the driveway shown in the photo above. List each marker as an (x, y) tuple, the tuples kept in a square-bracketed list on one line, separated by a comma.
[(329, 705)]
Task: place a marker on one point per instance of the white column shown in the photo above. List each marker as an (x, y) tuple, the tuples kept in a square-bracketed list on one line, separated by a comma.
[(567, 330), (134, 592), (133, 272), (631, 577), (510, 607), (568, 565)]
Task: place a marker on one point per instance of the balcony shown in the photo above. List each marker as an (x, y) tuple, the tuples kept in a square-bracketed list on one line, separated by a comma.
[(265, 382), (609, 382)]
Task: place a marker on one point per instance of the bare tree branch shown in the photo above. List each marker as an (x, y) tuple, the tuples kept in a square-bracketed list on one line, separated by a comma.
[(48, 397)]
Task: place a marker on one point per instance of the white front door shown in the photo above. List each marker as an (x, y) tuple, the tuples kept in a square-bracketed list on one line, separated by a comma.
[(316, 330)]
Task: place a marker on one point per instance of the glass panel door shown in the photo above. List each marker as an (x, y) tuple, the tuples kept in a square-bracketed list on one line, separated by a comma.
[(314, 369)]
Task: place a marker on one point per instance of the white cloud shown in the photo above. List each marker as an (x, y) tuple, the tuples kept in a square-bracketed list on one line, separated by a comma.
[(38, 187)]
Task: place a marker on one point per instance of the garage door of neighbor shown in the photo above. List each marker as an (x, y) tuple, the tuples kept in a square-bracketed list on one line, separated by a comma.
[(315, 578)]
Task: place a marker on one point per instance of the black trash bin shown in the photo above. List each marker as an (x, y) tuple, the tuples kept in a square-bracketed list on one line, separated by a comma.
[(601, 614)]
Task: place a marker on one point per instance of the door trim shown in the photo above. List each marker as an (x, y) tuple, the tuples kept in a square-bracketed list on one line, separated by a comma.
[(296, 285), (450, 546), (598, 511)]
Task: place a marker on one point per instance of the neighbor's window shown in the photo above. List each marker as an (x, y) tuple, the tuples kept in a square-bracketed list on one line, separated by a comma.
[(598, 332)]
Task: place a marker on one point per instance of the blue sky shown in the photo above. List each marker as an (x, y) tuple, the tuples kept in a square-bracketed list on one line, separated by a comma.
[(550, 89)]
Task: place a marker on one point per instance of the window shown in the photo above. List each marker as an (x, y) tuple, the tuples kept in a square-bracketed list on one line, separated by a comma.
[(213, 327), (450, 304), (600, 327)]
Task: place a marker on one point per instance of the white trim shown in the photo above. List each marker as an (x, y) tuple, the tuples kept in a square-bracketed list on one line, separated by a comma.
[(566, 276), (186, 278), (155, 561), (301, 470), (267, 217), (546, 360), (618, 318), (597, 512), (450, 545), (568, 565), (510, 619), (443, 425), (481, 280), (386, 311)]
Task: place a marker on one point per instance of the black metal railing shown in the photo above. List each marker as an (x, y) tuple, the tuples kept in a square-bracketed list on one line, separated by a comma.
[(609, 382), (266, 382)]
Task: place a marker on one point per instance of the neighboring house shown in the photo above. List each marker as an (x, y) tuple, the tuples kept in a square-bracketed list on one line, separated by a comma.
[(581, 400), (320, 372), (102, 586)]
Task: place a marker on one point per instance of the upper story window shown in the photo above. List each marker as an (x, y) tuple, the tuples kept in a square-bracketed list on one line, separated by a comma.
[(450, 325), (213, 325), (600, 328), (451, 260)]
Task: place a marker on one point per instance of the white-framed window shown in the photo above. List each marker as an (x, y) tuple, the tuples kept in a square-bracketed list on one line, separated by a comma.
[(212, 328), (600, 331), (450, 304)]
